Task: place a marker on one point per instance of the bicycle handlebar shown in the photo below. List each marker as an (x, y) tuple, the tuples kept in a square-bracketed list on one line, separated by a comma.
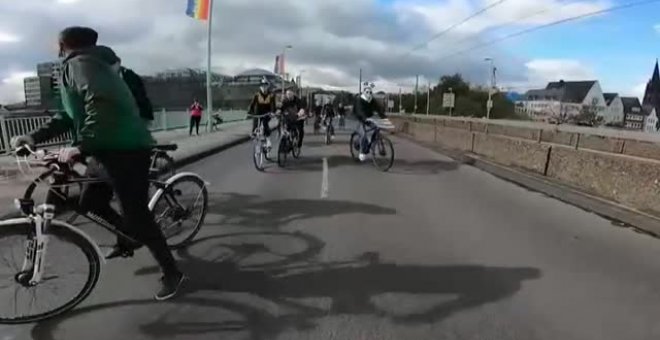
[(261, 116)]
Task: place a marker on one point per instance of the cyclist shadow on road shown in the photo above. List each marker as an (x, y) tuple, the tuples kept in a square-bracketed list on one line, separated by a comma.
[(252, 211), (401, 166), (298, 292), (359, 286)]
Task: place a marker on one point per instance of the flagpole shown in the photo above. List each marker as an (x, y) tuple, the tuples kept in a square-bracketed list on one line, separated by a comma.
[(209, 93)]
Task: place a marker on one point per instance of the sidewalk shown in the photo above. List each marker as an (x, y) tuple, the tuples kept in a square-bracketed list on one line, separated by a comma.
[(12, 182)]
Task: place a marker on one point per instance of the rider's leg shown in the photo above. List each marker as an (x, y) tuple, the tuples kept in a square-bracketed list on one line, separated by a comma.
[(129, 174), (255, 123), (266, 123), (95, 197), (300, 126)]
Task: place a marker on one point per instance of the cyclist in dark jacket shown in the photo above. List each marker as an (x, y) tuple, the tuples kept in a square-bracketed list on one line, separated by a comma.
[(291, 110)]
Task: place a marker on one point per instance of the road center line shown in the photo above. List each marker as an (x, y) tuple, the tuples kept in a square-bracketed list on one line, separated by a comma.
[(324, 182)]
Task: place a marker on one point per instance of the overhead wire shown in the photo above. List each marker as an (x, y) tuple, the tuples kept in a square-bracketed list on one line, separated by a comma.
[(454, 26), (554, 23)]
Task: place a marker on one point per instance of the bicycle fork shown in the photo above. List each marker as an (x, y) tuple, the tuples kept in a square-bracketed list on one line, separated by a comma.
[(35, 248)]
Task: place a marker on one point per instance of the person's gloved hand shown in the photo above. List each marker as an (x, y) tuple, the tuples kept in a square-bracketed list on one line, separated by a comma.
[(19, 141), (68, 154)]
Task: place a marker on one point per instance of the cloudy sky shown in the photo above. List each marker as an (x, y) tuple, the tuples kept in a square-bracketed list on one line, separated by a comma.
[(333, 39)]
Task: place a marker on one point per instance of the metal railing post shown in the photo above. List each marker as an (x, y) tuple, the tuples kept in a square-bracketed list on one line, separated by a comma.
[(3, 134), (164, 118)]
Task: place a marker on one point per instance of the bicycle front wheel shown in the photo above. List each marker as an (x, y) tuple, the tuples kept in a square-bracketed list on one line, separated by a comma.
[(295, 148), (180, 210), (258, 156), (282, 152), (328, 135), (382, 153), (71, 268)]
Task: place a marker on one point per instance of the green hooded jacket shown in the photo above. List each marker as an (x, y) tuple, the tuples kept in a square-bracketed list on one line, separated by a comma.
[(99, 107)]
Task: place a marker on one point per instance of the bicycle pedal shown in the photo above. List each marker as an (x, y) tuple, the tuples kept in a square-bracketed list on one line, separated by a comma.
[(123, 253)]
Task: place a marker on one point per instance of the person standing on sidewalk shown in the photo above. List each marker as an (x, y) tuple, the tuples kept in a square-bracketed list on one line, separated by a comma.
[(195, 116), (105, 122)]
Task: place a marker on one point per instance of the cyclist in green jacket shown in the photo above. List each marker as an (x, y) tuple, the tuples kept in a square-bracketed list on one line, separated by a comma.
[(105, 122)]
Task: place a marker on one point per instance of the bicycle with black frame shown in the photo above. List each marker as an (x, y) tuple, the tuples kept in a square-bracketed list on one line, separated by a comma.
[(289, 137)]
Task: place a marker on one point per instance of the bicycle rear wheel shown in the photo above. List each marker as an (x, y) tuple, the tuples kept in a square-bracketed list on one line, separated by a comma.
[(71, 270), (382, 153), (180, 210)]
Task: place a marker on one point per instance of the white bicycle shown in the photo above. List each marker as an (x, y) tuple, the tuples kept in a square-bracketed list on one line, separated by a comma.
[(261, 150), (48, 266)]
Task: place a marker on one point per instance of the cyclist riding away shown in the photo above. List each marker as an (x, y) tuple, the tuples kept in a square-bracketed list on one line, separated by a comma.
[(292, 111), (263, 103), (105, 123), (365, 107)]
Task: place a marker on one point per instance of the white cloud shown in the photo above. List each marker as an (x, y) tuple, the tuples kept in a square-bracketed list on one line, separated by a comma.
[(637, 91), (11, 87), (441, 15), (332, 39), (545, 70), (8, 38), (656, 27), (539, 72)]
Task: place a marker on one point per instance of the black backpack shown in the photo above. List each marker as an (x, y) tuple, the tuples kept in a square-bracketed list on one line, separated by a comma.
[(136, 86)]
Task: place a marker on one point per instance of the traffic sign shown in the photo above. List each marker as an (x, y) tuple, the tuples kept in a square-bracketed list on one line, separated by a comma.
[(448, 100)]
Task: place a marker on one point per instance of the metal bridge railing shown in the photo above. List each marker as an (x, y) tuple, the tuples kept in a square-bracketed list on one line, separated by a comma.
[(163, 121)]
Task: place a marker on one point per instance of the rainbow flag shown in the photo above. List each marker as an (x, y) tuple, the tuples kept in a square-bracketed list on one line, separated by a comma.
[(198, 9)]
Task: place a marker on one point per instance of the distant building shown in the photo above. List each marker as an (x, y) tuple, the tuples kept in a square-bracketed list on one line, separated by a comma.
[(238, 92), (614, 111), (176, 89), (563, 99), (38, 92), (652, 93), (41, 92), (651, 121), (634, 116)]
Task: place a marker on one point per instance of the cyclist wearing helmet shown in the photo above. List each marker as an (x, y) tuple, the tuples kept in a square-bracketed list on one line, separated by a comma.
[(364, 108), (263, 103), (292, 110)]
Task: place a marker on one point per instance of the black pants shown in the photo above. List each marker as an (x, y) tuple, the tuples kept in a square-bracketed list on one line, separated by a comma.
[(128, 174), (194, 122), (300, 126), (265, 121)]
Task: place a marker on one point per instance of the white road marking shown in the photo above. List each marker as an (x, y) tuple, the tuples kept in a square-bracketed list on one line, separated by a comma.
[(324, 182)]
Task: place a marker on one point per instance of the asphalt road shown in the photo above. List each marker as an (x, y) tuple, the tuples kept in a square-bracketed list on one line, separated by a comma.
[(431, 250)]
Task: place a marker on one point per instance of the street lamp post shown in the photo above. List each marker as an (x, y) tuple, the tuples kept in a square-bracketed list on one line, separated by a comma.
[(300, 82), (491, 71), (283, 75)]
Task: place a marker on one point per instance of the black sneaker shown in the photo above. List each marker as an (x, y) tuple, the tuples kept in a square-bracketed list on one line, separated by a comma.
[(170, 286), (124, 250)]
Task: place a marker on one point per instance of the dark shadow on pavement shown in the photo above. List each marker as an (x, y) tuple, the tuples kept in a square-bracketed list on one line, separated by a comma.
[(252, 211), (354, 287)]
